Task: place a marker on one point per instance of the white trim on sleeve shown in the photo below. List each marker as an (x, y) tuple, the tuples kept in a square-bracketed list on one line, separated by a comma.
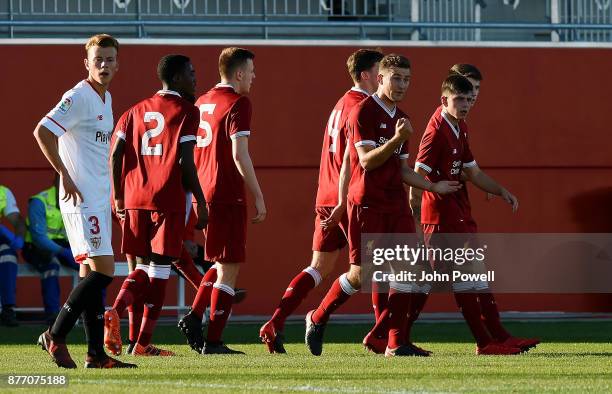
[(187, 138), (120, 134), (237, 134), (423, 166), (470, 164), (404, 156), (53, 126), (364, 143)]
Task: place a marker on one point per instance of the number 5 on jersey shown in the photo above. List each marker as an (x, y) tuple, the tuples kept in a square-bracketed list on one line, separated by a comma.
[(205, 109)]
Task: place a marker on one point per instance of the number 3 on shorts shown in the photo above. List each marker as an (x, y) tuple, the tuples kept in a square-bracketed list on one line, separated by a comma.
[(95, 226)]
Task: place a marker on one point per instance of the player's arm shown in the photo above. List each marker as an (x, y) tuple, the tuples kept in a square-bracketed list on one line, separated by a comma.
[(189, 173), (489, 185), (343, 184), (416, 194), (242, 159), (116, 168), (416, 180), (47, 141), (371, 157)]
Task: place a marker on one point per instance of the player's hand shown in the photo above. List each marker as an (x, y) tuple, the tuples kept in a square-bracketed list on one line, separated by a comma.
[(120, 209), (191, 247), (71, 192), (334, 217), (403, 128), (202, 212), (510, 199), (260, 206), (445, 187)]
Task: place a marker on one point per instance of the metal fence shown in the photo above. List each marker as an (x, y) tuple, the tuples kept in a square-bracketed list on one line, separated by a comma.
[(436, 20)]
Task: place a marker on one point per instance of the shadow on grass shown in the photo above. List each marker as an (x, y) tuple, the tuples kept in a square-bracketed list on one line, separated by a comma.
[(559, 332)]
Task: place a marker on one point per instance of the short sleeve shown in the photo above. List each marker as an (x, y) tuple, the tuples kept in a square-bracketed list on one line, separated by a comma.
[(404, 152), (124, 125), (361, 130), (189, 127), (467, 158), (429, 150), (239, 120), (11, 203), (66, 114)]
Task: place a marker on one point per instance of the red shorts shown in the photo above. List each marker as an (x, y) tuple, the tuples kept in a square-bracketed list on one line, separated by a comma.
[(332, 239), (146, 232), (363, 220), (225, 233), (449, 235)]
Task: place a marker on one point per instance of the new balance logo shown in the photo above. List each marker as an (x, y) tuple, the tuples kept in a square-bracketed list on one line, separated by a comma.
[(219, 312), (383, 125), (454, 151), (130, 280), (289, 289), (150, 305)]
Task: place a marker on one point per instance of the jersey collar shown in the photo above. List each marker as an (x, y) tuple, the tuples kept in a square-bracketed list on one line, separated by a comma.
[(391, 113), (356, 89), (455, 131), (225, 85), (167, 91)]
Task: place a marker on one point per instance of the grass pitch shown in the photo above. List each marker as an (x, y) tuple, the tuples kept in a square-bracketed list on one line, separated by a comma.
[(574, 357)]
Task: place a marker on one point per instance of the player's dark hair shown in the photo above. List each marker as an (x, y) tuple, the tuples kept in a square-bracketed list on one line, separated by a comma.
[(362, 60), (394, 60), (456, 84), (233, 58), (102, 40), (171, 65), (467, 70)]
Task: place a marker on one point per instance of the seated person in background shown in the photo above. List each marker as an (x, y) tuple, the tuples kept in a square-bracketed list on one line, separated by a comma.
[(10, 243), (46, 246)]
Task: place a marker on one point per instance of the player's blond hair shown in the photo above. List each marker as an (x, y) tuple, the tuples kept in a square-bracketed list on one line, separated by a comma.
[(102, 40), (233, 58)]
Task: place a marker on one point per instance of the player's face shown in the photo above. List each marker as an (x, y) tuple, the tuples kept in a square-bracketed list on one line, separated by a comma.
[(369, 79), (476, 85), (102, 64), (458, 105), (395, 82), (186, 82), (245, 76)]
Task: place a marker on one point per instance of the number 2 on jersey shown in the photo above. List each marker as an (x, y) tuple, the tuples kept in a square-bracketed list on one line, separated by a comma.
[(203, 142), (333, 130), (157, 149)]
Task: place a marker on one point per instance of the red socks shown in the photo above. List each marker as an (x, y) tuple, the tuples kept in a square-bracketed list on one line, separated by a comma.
[(340, 291), (490, 317), (398, 309), (202, 298), (468, 304), (187, 268), (154, 302), (221, 301), (299, 287), (417, 302), (135, 285)]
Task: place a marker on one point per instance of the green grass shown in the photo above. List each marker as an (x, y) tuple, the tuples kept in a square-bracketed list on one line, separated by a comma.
[(574, 357)]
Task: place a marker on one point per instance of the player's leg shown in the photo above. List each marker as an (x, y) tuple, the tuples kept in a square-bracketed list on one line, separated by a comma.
[(8, 285), (220, 308), (326, 245), (186, 267), (134, 242)]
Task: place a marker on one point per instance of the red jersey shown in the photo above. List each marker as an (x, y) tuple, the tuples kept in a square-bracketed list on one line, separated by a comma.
[(224, 116), (443, 153), (334, 144), (371, 123), (153, 130)]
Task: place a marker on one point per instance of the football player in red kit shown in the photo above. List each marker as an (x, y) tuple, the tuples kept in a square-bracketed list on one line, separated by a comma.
[(327, 242), (151, 159), (224, 167)]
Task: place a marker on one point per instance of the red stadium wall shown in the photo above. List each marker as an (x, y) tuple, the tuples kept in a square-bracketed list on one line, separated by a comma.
[(535, 128)]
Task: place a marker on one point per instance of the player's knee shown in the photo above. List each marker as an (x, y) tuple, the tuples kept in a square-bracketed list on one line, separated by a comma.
[(324, 262), (227, 273), (354, 277)]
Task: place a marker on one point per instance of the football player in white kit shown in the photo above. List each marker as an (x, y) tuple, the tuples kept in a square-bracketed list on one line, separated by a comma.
[(75, 138)]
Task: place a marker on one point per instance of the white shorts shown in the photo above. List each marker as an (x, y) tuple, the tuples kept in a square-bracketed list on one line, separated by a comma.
[(89, 234)]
